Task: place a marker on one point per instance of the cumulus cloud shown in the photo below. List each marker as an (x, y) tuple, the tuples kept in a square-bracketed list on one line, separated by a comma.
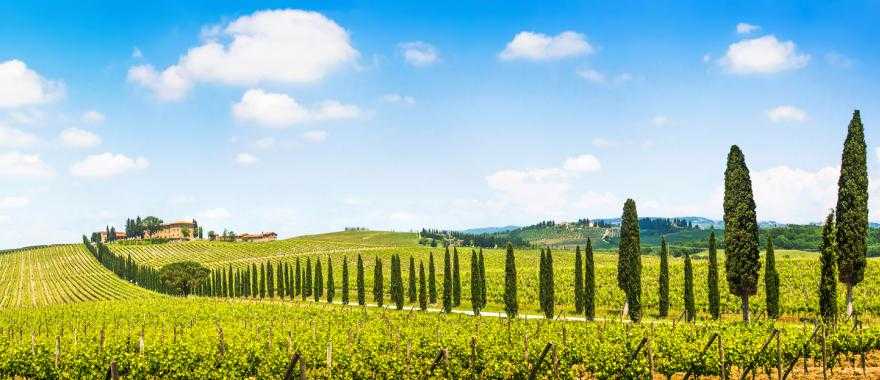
[(246, 159), (21, 86), (540, 191), (596, 203), (787, 114), (598, 77), (762, 55), (584, 163), (398, 99), (541, 47), (107, 165), (93, 117), (746, 28), (78, 138), (795, 195), (418, 53), (16, 138), (273, 46), (15, 165), (9, 202), (275, 110), (315, 136)]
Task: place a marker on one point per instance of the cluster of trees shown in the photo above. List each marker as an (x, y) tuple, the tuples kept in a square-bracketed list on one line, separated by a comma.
[(488, 240), (665, 225), (137, 227), (126, 268)]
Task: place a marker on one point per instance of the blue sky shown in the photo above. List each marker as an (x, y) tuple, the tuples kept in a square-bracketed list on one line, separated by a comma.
[(301, 117)]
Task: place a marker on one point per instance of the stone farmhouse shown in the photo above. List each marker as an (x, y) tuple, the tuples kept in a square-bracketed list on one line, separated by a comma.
[(103, 236), (182, 230)]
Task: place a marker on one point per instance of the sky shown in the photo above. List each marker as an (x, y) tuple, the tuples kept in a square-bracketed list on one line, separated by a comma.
[(307, 117)]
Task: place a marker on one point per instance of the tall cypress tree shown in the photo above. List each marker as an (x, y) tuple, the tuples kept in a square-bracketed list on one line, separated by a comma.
[(344, 280), (290, 282), (476, 292), (771, 281), (456, 278), (255, 281), (307, 279), (361, 288), (270, 279), (828, 282), (319, 281), (712, 279), (396, 282), (483, 299), (690, 310), (549, 294), (282, 280), (511, 306), (447, 282), (740, 230), (852, 210), (423, 293), (432, 279), (263, 280), (589, 282), (298, 279), (378, 283), (664, 278), (578, 281), (331, 286), (629, 263), (412, 280)]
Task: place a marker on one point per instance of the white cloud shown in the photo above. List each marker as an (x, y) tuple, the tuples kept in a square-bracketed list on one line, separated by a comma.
[(276, 110), (418, 53), (660, 121), (838, 60), (27, 116), (93, 117), (15, 138), (107, 165), (762, 55), (541, 47), (599, 204), (273, 46), (397, 98), (21, 86), (592, 75), (746, 28), (265, 143), (246, 159), (15, 165), (78, 138), (315, 136), (218, 213), (795, 195), (8, 202), (787, 114), (584, 163)]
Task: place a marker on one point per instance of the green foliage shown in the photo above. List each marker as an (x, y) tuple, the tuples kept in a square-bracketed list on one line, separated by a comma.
[(578, 281), (548, 295), (361, 287), (456, 279), (690, 309), (319, 281), (712, 280), (511, 306), (396, 282), (331, 285), (852, 208), (476, 291), (432, 279), (589, 282), (345, 280), (412, 280), (629, 272), (378, 283), (482, 265), (771, 282), (741, 230), (183, 277), (297, 279), (664, 279), (447, 282), (423, 296), (828, 281)]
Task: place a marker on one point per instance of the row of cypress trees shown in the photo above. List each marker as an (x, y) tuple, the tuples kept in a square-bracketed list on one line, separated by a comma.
[(126, 268)]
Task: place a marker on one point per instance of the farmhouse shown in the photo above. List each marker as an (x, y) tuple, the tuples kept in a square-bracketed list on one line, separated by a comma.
[(260, 237), (103, 236), (182, 230)]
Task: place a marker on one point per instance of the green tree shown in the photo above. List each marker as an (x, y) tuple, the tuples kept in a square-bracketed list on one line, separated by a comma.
[(307, 279), (712, 279), (412, 280), (664, 278), (447, 282), (629, 262), (771, 281), (690, 310), (270, 280), (423, 296), (298, 279), (548, 297), (255, 281), (828, 282), (378, 283), (396, 282), (589, 282), (483, 298), (263, 280), (361, 288), (852, 210), (511, 306), (432, 279), (740, 230), (578, 281), (331, 286), (319, 281), (344, 280), (456, 279), (476, 292), (183, 277)]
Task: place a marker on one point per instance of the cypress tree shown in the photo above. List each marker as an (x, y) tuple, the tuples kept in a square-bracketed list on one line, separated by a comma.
[(319, 281), (578, 281), (447, 282), (290, 282), (378, 285), (511, 306), (589, 282), (307, 279), (828, 282), (282, 281), (344, 280), (483, 299), (398, 283), (270, 280), (263, 280), (689, 309), (361, 291), (298, 279), (664, 278), (712, 279), (852, 210), (629, 264), (331, 286), (432, 280), (255, 281), (456, 279), (740, 230), (475, 283), (423, 296), (548, 293), (771, 281), (411, 291)]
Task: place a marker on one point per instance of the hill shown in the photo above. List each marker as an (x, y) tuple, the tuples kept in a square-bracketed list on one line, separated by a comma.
[(489, 230)]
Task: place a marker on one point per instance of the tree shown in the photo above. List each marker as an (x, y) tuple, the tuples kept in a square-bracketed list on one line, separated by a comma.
[(344, 280), (690, 310), (589, 282), (712, 279), (664, 278), (548, 297), (263, 280), (378, 285), (412, 280), (483, 299), (447, 282), (476, 292), (432, 280), (331, 287), (456, 278), (740, 230), (771, 281), (270, 280), (423, 296), (511, 307), (255, 281), (298, 279), (361, 288), (852, 210), (183, 277), (319, 281), (629, 262), (396, 282), (307, 279), (152, 224), (578, 281), (828, 282)]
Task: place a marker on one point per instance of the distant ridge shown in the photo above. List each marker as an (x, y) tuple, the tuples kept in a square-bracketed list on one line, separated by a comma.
[(489, 230)]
